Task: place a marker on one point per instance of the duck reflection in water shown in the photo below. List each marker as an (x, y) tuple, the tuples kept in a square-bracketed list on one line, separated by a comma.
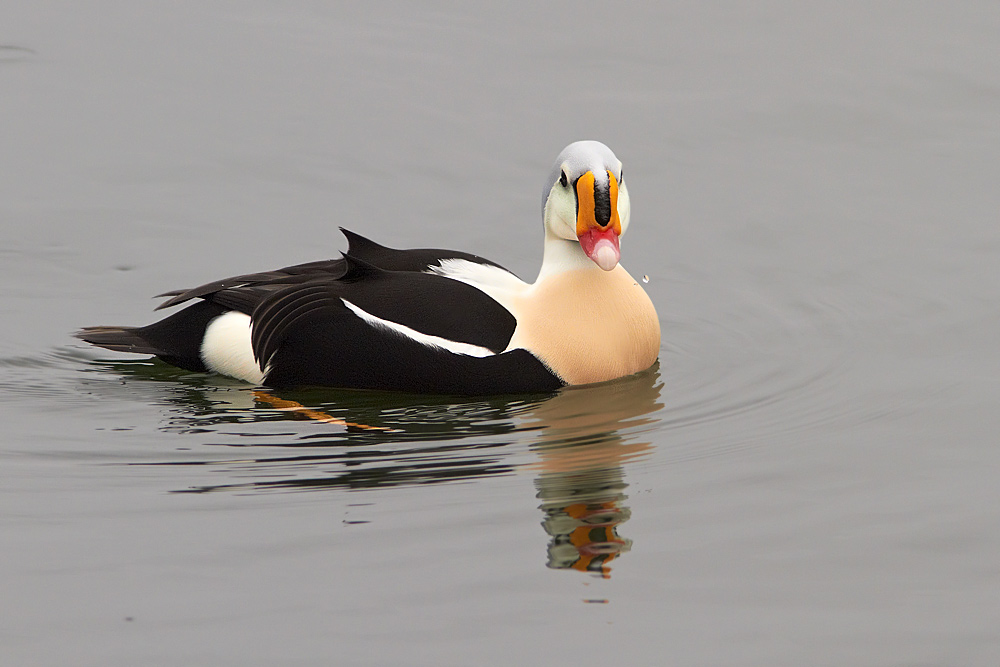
[(582, 438), (582, 451)]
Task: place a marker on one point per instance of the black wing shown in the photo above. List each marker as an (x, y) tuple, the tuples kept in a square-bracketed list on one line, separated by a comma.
[(427, 303), (245, 292), (309, 337)]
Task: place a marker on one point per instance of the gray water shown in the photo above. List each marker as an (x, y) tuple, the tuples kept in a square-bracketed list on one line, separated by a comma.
[(807, 478)]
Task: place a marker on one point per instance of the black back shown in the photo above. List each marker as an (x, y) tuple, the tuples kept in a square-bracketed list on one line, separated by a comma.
[(244, 292)]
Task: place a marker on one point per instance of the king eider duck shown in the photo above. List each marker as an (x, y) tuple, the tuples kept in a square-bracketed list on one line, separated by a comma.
[(426, 320)]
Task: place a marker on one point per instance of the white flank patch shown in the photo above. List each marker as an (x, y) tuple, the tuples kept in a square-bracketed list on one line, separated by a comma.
[(226, 348), (422, 338)]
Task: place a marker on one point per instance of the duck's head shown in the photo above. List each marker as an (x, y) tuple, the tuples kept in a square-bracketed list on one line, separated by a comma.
[(586, 200)]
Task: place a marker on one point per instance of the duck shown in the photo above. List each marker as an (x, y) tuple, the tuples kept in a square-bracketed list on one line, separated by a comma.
[(429, 321)]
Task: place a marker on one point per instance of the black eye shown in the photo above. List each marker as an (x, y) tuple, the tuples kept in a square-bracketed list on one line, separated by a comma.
[(563, 180), (621, 176)]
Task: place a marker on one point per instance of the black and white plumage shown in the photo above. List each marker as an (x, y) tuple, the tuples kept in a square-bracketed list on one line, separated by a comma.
[(427, 320)]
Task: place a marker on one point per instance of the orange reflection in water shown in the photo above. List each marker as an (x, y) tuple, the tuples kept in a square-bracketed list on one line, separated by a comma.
[(586, 436)]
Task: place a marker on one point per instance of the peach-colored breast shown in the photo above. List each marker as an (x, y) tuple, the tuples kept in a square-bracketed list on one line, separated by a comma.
[(588, 325)]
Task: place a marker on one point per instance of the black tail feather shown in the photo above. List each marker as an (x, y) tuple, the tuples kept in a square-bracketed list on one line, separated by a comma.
[(119, 339), (176, 339)]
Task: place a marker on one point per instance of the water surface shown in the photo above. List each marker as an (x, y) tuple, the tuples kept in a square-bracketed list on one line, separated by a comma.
[(807, 477)]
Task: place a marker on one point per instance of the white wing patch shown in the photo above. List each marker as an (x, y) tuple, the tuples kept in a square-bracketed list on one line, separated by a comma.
[(226, 348), (483, 276), (422, 338), (499, 284)]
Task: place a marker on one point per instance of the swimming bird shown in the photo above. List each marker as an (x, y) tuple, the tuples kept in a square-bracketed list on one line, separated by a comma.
[(429, 320)]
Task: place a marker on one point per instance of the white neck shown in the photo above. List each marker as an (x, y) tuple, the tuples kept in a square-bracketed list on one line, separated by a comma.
[(563, 255)]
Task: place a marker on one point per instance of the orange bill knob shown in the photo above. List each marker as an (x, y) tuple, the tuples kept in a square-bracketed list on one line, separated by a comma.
[(597, 224)]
